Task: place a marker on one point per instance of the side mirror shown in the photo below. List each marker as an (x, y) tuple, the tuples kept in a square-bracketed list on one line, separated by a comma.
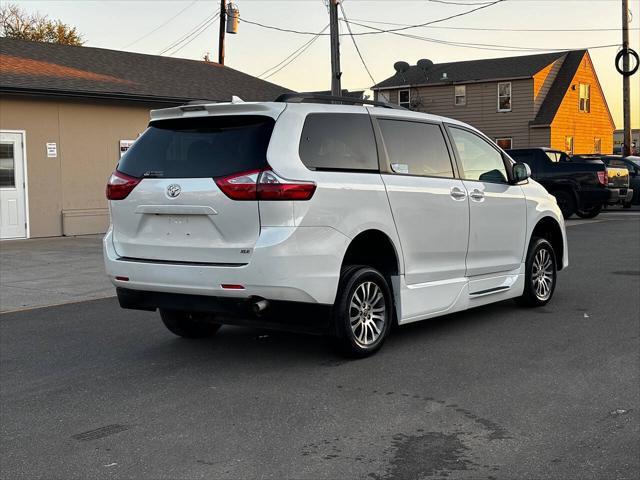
[(521, 171)]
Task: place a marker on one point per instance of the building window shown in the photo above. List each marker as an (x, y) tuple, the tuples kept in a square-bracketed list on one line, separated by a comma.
[(504, 143), (568, 145), (404, 98), (584, 105), (460, 95), (504, 96), (597, 145)]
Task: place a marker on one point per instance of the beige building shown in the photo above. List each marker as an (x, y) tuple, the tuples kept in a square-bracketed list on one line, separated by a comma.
[(65, 114), (545, 100)]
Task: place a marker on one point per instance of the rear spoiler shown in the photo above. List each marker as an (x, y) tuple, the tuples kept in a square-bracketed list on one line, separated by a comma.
[(202, 109)]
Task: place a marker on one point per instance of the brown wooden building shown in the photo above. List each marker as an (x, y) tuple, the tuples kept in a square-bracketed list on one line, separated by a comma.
[(65, 114), (549, 100)]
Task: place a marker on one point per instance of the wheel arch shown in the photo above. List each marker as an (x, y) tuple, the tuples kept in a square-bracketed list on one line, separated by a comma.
[(549, 228), (374, 248)]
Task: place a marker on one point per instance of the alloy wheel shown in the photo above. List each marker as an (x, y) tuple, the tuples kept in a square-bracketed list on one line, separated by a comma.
[(367, 313), (542, 274)]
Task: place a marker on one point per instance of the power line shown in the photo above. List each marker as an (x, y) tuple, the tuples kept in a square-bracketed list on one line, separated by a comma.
[(364, 64), (279, 29), (292, 56), (479, 46), (475, 45), (161, 25), (392, 30), (183, 37), (189, 34), (489, 29), (457, 15), (467, 4), (202, 30)]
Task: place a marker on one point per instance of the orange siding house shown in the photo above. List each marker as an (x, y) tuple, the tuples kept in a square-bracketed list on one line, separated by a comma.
[(590, 128), (554, 99)]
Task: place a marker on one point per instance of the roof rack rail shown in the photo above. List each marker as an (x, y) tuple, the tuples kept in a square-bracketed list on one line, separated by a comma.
[(313, 98)]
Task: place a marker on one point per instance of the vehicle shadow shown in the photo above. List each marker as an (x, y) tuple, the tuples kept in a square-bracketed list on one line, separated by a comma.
[(269, 348)]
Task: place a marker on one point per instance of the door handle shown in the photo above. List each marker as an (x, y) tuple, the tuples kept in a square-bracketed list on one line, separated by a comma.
[(457, 193), (477, 195)]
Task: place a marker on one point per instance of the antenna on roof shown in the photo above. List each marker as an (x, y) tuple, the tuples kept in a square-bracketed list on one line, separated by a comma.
[(425, 65), (401, 68), (235, 99)]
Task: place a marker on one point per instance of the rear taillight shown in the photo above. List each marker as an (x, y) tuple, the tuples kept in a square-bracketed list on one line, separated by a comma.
[(603, 178), (120, 185), (264, 185), (240, 186), (272, 187)]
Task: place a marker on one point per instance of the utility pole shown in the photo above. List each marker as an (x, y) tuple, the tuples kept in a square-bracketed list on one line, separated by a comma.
[(223, 21), (336, 88), (626, 80)]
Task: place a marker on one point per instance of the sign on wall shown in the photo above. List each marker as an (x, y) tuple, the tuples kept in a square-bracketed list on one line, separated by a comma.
[(52, 150), (125, 145)]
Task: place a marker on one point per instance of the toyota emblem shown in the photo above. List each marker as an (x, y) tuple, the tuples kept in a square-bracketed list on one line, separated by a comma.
[(173, 190)]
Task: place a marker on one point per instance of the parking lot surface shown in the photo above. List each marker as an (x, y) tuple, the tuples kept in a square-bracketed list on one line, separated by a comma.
[(92, 391), (50, 271)]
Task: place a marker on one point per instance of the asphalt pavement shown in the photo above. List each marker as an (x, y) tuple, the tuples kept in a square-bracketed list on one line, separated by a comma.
[(499, 392), (48, 271)]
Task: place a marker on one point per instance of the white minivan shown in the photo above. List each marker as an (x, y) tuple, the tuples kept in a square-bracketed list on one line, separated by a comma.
[(332, 218)]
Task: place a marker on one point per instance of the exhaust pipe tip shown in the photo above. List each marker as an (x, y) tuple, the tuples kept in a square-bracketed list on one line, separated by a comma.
[(260, 306)]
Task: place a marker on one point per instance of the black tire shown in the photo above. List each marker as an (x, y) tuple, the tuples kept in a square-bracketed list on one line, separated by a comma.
[(374, 317), (626, 205), (566, 202), (532, 297), (189, 324), (593, 212)]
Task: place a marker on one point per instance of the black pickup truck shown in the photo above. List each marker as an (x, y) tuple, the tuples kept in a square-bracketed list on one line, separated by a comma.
[(579, 187), (627, 189)]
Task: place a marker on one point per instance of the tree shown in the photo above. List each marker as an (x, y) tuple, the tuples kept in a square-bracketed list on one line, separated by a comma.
[(16, 23)]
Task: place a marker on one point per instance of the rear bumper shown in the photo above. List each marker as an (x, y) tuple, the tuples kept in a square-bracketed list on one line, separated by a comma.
[(620, 195), (293, 264), (291, 316)]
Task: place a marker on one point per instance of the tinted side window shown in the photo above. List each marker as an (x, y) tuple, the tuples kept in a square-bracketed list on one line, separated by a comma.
[(416, 148), (338, 141), (617, 163), (553, 156), (480, 161)]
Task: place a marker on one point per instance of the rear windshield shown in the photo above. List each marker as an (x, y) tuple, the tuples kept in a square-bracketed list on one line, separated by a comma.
[(617, 163), (199, 147)]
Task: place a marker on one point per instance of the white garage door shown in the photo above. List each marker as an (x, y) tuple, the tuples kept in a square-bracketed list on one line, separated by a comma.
[(12, 190)]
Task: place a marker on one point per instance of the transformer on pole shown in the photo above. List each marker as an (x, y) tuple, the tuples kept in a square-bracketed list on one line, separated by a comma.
[(229, 22), (233, 18)]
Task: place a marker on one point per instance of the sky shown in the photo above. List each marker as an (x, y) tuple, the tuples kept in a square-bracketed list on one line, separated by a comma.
[(150, 26)]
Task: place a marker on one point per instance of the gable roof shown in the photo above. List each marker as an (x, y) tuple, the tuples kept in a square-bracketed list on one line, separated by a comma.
[(50, 69), (472, 70), (559, 87)]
